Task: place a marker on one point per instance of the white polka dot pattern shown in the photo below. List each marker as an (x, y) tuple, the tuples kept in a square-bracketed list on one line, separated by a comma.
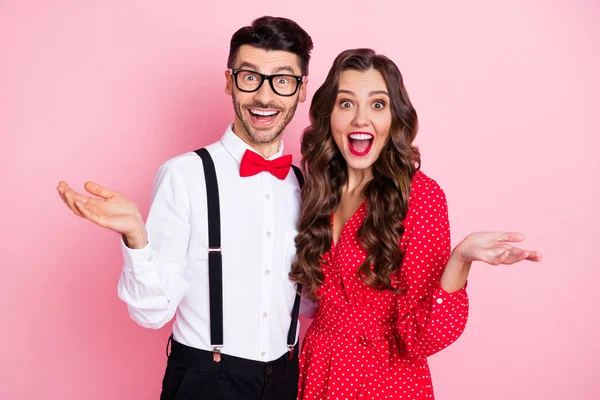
[(368, 344)]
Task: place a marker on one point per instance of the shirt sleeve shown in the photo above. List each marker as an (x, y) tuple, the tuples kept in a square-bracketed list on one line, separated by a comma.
[(429, 319), (152, 281)]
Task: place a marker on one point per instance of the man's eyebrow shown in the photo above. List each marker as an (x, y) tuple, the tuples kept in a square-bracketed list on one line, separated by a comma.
[(284, 68), (248, 65)]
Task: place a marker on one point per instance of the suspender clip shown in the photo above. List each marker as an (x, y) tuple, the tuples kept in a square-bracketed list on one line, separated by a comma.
[(217, 353), (291, 350), (215, 249)]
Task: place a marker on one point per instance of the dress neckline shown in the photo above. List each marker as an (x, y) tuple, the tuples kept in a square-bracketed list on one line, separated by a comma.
[(334, 244)]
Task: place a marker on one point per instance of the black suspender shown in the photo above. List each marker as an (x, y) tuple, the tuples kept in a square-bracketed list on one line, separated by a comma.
[(299, 176), (291, 339), (215, 261)]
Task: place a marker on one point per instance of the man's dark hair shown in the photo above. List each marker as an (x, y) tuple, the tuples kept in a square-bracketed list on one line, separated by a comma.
[(273, 33)]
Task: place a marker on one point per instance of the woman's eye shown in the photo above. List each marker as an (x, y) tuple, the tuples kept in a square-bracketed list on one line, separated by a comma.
[(378, 105), (345, 104)]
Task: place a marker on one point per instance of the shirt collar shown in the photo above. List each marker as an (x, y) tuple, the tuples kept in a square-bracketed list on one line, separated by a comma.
[(237, 147)]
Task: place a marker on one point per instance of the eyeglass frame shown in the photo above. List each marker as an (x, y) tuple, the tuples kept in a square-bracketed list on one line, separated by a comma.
[(299, 81)]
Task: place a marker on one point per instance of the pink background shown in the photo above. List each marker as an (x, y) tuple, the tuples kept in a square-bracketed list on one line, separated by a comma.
[(507, 95)]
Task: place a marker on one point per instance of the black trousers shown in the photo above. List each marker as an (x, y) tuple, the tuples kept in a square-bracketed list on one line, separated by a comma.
[(192, 374)]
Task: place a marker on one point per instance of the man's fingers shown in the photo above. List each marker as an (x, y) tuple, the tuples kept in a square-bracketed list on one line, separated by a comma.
[(62, 186), (61, 193), (88, 214), (98, 190), (62, 189), (70, 199), (85, 212)]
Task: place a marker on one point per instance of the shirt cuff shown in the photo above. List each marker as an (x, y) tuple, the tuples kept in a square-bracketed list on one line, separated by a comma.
[(139, 260), (440, 296)]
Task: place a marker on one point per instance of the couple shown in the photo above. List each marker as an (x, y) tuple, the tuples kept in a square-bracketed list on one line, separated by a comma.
[(228, 240)]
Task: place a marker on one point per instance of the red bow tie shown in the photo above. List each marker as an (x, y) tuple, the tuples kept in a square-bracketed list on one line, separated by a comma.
[(253, 163)]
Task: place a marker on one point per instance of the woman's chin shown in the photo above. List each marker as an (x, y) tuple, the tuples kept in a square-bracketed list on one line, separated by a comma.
[(359, 163)]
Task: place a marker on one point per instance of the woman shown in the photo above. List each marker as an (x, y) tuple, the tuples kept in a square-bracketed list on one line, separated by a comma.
[(374, 242)]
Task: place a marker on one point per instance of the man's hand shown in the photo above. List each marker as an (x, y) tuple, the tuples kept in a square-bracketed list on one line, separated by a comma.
[(109, 209)]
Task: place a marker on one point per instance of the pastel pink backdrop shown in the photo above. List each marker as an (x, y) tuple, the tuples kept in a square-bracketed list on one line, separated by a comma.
[(507, 95)]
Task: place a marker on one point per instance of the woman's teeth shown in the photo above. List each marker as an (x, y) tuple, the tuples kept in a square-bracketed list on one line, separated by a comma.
[(360, 143), (360, 136)]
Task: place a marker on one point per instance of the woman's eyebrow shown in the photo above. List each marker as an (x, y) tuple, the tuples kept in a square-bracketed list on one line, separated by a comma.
[(374, 93)]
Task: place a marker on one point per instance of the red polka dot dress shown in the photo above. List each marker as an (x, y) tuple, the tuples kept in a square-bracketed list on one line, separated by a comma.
[(368, 344)]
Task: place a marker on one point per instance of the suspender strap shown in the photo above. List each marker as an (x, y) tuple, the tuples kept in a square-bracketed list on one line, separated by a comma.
[(215, 260), (299, 176), (291, 339)]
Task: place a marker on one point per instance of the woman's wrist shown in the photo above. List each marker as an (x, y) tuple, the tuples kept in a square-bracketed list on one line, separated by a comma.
[(456, 272)]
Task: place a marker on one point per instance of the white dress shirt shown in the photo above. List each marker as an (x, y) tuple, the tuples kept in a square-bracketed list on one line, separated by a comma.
[(258, 227)]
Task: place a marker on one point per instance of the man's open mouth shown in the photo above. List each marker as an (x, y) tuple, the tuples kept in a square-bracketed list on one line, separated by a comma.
[(263, 117)]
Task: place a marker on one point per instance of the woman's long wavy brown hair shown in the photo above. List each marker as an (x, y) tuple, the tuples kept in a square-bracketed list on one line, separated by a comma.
[(326, 173)]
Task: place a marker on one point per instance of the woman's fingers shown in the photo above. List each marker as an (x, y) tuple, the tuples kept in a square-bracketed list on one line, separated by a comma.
[(515, 255), (534, 256), (495, 248), (501, 258), (511, 237), (491, 255)]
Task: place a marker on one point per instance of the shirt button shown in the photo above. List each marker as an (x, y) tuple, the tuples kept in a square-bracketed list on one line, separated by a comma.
[(439, 300), (267, 272), (263, 354), (268, 234), (264, 315), (267, 196), (150, 258)]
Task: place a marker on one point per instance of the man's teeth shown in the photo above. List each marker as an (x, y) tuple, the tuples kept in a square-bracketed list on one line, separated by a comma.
[(360, 136), (263, 113)]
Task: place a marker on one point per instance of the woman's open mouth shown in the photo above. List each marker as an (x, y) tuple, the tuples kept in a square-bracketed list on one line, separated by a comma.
[(360, 143)]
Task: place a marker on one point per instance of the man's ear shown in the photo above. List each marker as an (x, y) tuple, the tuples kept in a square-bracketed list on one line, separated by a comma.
[(302, 95), (228, 83)]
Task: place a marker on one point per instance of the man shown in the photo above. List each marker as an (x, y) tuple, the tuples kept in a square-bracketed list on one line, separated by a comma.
[(230, 340)]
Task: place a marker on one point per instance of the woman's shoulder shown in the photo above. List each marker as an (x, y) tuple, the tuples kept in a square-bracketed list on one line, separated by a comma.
[(424, 188)]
